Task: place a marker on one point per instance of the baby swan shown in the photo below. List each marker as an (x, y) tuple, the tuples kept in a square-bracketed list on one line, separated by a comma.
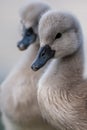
[(60, 97), (20, 110)]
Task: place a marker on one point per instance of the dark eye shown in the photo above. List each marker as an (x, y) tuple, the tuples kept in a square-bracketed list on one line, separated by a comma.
[(59, 35), (29, 31)]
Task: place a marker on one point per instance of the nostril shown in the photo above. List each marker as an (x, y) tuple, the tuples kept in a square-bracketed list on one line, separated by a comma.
[(43, 53)]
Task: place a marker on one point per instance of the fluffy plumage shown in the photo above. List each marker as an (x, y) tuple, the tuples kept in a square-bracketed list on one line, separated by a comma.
[(20, 110), (62, 96)]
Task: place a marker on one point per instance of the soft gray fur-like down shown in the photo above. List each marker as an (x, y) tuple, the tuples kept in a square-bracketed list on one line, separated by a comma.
[(62, 93), (20, 110)]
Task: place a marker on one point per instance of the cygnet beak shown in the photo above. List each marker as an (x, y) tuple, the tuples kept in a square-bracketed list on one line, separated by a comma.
[(44, 54), (28, 39)]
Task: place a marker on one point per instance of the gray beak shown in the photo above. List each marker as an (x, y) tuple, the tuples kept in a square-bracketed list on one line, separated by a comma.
[(44, 54), (28, 39)]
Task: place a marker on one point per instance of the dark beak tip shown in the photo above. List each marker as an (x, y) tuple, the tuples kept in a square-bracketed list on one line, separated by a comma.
[(18, 45), (34, 67), (21, 46)]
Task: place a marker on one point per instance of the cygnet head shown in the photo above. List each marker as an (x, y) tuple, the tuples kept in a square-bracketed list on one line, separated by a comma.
[(30, 16), (60, 36)]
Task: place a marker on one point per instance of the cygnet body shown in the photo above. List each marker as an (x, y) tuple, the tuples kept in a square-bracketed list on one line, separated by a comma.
[(20, 110), (61, 95)]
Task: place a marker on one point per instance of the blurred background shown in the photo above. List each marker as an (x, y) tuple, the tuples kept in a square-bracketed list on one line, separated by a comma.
[(10, 34)]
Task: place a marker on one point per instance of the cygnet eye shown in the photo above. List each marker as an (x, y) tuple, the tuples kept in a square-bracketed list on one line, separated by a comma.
[(59, 35)]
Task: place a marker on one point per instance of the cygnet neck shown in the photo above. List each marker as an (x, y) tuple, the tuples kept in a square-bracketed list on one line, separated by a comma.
[(67, 71), (71, 67)]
